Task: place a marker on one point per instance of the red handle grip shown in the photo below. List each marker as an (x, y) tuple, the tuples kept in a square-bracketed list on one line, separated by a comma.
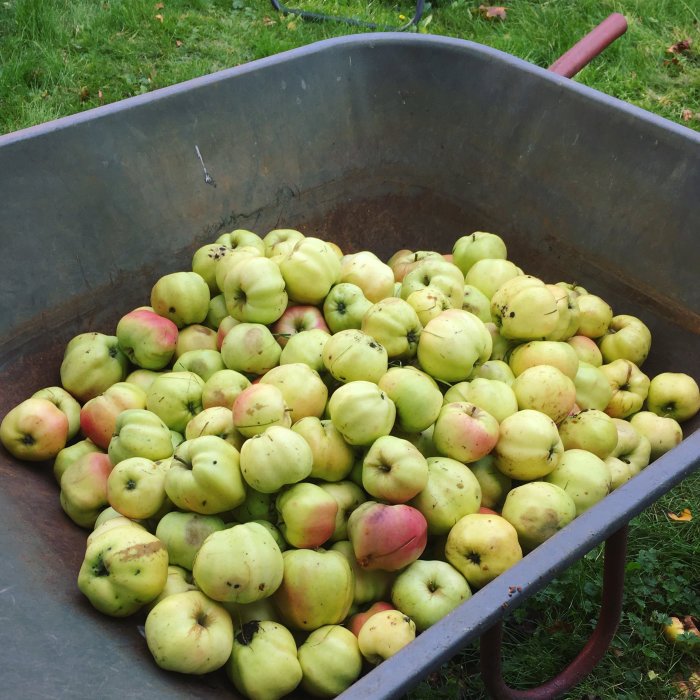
[(584, 51)]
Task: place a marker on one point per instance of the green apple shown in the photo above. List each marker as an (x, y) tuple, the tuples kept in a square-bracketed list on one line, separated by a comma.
[(123, 569), (595, 316), (538, 510), (366, 271), (91, 363), (491, 395), (274, 458), (250, 348), (309, 270), (544, 352), (330, 661), (139, 433), (306, 515), (495, 485), (70, 453), (217, 312), (143, 378), (242, 238), (205, 260), (394, 324), (481, 546), (189, 633), (136, 488), (546, 389), (344, 306), (626, 337), (568, 313), (34, 430), (195, 336), (203, 361), (529, 446), (629, 385), (584, 476), (183, 534), (404, 260), (302, 388), (333, 458), (587, 349), (369, 585), (259, 407), (306, 347), (590, 430), (428, 302), (176, 397), (633, 448), (488, 274), (242, 564), (438, 274), (222, 387), (217, 420), (593, 389), (354, 355), (280, 241), (451, 492), (476, 302), (205, 476), (464, 431), (348, 495), (495, 369), (673, 395), (183, 297), (263, 663), (427, 590), (475, 246), (385, 633), (394, 470), (663, 432)]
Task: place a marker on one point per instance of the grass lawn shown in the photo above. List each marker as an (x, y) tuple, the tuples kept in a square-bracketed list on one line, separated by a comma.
[(59, 57)]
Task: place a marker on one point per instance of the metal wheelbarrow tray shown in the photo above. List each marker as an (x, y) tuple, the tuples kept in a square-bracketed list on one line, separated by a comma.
[(374, 141)]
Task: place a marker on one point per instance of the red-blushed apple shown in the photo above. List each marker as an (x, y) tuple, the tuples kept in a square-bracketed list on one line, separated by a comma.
[(465, 432), (274, 458), (585, 477), (139, 433), (176, 397), (304, 607), (394, 470), (629, 385), (361, 412), (453, 345), (590, 430), (147, 338), (452, 491), (491, 395), (544, 352), (136, 488), (182, 533), (538, 510), (529, 446), (84, 488), (439, 274), (494, 483), (415, 394), (333, 458), (250, 348), (70, 453), (258, 407), (482, 546), (673, 395), (358, 619), (205, 476), (627, 337), (353, 355), (195, 336), (428, 302), (297, 318), (222, 388), (546, 389), (264, 663), (595, 316), (394, 324), (304, 392), (592, 387), (427, 590), (242, 563), (568, 316), (330, 661), (216, 420), (477, 245), (225, 325), (663, 432), (34, 430), (488, 274), (66, 403), (365, 270), (403, 261), (255, 291), (183, 297), (369, 585), (306, 515), (348, 495), (123, 569), (309, 270), (91, 363), (344, 306), (385, 536), (587, 349), (385, 633), (189, 633), (306, 347)]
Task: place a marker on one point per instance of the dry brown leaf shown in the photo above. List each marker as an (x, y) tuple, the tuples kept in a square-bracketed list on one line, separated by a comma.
[(99, 96), (687, 115), (159, 18), (159, 6), (84, 94), (685, 515), (178, 42), (269, 21), (491, 12), (680, 46)]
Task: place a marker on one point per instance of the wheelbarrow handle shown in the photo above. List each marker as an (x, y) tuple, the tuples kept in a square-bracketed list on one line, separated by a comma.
[(585, 50)]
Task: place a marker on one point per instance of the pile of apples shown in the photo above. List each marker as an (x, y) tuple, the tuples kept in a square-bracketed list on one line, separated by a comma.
[(294, 459)]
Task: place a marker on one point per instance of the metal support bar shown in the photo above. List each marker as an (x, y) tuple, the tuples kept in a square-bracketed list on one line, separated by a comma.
[(320, 17), (590, 654)]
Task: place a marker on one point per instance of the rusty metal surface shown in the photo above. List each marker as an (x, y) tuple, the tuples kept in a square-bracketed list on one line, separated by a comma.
[(379, 142)]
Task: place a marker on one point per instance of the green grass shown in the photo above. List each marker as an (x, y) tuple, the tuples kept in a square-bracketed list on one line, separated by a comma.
[(58, 57)]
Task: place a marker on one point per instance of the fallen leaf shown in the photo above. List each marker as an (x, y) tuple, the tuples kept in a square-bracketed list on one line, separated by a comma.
[(291, 26), (680, 46), (687, 115), (491, 12), (178, 42), (652, 675), (685, 515), (99, 96), (269, 21), (159, 6), (84, 94), (159, 18)]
